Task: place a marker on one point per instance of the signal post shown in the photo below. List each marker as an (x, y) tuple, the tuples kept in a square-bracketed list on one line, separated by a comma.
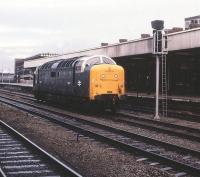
[(159, 48)]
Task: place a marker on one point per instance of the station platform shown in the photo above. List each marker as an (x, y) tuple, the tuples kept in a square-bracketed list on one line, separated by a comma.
[(175, 98), (28, 88)]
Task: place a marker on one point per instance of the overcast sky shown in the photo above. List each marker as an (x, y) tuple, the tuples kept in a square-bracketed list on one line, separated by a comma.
[(29, 27)]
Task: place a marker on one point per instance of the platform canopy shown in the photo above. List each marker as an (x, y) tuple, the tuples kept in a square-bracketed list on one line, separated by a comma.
[(183, 40)]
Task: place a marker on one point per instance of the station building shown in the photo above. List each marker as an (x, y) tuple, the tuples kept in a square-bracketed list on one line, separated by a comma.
[(183, 61), (24, 74), (192, 22), (6, 77)]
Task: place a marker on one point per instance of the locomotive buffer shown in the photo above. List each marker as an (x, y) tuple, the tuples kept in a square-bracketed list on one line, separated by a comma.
[(160, 52)]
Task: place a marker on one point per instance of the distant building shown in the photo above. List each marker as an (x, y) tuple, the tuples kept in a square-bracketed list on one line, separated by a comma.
[(173, 30), (7, 77), (145, 35), (25, 75), (192, 22)]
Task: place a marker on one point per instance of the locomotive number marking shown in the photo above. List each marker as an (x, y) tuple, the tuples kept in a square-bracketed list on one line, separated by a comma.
[(79, 83)]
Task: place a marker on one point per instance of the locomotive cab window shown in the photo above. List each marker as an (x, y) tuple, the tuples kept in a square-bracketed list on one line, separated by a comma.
[(54, 65), (93, 61), (108, 61), (78, 66)]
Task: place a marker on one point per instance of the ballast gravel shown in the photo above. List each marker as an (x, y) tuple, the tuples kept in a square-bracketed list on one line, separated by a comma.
[(87, 156)]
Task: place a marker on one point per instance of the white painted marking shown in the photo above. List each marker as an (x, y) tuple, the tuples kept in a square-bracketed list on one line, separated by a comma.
[(12, 148), (10, 145), (153, 150), (16, 157), (6, 139), (19, 161), (29, 172), (111, 148), (14, 153), (24, 166), (123, 138), (186, 157), (79, 83), (8, 142), (166, 168), (141, 159), (154, 163), (3, 134), (180, 174)]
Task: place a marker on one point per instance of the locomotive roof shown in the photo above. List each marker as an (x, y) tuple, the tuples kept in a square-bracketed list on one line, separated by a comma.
[(64, 62), (60, 63)]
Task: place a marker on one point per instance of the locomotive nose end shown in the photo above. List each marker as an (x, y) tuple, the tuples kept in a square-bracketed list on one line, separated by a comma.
[(106, 80)]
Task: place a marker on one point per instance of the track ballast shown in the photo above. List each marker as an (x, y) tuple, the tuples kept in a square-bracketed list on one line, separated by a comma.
[(168, 157)]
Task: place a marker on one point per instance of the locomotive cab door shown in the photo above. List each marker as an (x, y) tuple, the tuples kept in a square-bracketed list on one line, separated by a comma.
[(80, 80), (35, 78), (74, 73)]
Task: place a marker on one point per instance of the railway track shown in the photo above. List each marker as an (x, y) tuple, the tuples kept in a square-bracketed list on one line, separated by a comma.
[(22, 95), (168, 157), (127, 107), (143, 122), (21, 157), (160, 126), (183, 115)]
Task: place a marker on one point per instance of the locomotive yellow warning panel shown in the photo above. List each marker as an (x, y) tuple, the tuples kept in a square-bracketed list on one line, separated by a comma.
[(106, 79)]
